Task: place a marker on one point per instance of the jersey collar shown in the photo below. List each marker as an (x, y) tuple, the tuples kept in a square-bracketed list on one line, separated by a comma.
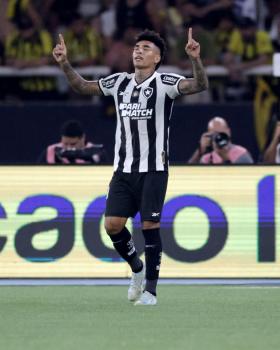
[(147, 80)]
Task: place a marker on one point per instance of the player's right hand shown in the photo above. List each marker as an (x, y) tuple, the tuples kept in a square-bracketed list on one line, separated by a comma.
[(60, 51)]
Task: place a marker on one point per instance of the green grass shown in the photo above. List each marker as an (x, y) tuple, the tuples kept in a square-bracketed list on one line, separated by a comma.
[(186, 317)]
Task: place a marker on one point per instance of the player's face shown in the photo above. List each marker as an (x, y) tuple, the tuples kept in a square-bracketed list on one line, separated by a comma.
[(72, 142), (145, 55)]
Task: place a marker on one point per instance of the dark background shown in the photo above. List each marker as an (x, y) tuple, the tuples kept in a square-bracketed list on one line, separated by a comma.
[(28, 129)]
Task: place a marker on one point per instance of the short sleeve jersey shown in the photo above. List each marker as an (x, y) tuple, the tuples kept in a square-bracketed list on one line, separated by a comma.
[(143, 117)]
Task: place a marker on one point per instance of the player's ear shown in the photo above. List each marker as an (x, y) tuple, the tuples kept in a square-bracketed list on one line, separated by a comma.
[(157, 59)]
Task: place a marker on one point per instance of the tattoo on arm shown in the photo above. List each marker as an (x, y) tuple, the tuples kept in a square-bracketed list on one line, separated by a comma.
[(78, 83), (198, 83)]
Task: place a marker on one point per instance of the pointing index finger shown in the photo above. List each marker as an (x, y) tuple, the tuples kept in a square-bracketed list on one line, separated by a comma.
[(190, 35), (61, 39)]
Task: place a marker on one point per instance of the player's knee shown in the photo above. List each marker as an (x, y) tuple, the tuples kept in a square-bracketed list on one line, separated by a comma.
[(149, 225), (113, 225)]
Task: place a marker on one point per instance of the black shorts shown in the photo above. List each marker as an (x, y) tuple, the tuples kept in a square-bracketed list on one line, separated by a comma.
[(133, 192)]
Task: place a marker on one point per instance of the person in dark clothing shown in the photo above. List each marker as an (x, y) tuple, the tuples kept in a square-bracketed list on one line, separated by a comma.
[(29, 47), (132, 13), (73, 147)]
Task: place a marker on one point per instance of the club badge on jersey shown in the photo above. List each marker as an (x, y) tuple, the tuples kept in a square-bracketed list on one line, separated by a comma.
[(148, 91)]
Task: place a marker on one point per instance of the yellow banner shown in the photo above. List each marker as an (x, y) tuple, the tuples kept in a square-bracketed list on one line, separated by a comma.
[(216, 222)]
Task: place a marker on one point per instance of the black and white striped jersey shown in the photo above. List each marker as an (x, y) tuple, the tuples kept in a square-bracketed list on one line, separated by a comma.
[(143, 116)]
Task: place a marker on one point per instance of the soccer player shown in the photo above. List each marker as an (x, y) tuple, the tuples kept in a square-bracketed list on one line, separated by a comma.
[(143, 103)]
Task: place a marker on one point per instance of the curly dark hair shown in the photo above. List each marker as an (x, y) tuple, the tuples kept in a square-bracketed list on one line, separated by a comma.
[(156, 39)]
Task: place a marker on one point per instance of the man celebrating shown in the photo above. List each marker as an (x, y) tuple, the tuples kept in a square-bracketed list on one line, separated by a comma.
[(143, 103)]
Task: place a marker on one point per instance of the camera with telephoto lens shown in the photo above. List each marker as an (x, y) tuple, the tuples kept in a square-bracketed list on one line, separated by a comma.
[(221, 140)]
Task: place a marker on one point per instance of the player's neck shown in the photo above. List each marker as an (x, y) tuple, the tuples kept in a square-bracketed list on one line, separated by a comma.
[(143, 74)]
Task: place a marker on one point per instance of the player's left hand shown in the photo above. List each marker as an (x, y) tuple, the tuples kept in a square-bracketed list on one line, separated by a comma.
[(193, 47)]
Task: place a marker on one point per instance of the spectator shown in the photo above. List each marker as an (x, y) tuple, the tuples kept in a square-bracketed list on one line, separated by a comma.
[(29, 48), (108, 20), (272, 153), (209, 11), (6, 26), (73, 147), (158, 15), (60, 11), (90, 8), (208, 47), (271, 12), (223, 33), (246, 8), (83, 42), (19, 9), (215, 146), (248, 48), (173, 22), (118, 58), (275, 34), (132, 13)]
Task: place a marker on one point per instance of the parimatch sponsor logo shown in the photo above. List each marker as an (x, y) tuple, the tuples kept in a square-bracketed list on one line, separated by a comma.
[(134, 111)]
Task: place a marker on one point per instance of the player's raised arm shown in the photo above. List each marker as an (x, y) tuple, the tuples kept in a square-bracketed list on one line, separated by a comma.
[(199, 82), (78, 83)]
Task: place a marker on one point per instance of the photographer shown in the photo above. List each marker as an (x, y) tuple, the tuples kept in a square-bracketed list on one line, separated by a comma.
[(73, 148), (215, 146)]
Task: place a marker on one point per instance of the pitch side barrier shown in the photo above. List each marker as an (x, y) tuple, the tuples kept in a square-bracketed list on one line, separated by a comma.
[(217, 221)]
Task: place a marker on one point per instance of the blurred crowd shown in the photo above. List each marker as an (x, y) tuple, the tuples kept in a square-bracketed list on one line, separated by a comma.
[(238, 34)]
